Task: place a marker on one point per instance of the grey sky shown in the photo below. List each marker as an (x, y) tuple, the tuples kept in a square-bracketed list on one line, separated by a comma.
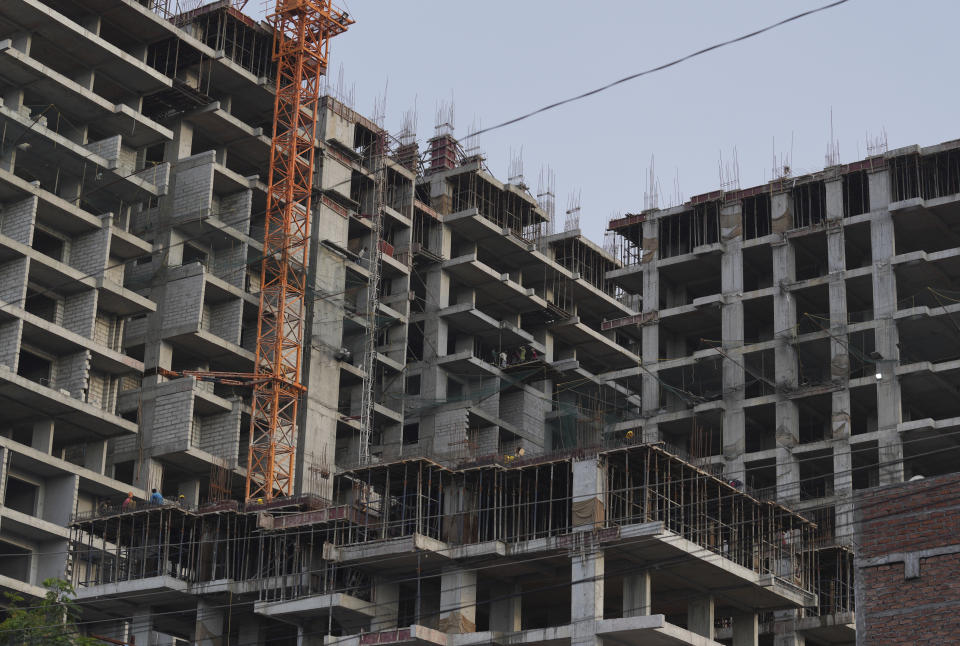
[(881, 65)]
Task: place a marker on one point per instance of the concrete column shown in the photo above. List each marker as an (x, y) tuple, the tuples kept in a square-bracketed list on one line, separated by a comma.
[(889, 414), (745, 630), (505, 607), (149, 475), (842, 464), (22, 41), (311, 634), (95, 457), (43, 436), (386, 599), (141, 626), (182, 144), (190, 490), (586, 596), (59, 499), (788, 470), (589, 485), (248, 632), (210, 624), (784, 631), (785, 356), (458, 601), (650, 335), (636, 595), (13, 99), (734, 377), (700, 616)]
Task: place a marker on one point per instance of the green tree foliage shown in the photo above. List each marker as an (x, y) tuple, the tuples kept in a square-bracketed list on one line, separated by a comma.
[(49, 622)]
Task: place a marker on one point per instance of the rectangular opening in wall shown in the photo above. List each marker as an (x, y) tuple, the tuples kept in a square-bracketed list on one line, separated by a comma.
[(859, 299), (927, 453), (411, 433), (48, 244), (757, 267), (39, 304), (904, 177), (34, 367), (865, 460), (816, 474), (809, 204), (814, 414), (15, 562), (863, 409), (123, 471), (755, 215), (761, 477), (414, 344), (760, 427), (758, 320), (813, 362), (940, 174), (454, 389), (193, 253), (759, 374), (681, 233), (22, 496), (856, 245), (856, 193), (811, 259), (412, 385)]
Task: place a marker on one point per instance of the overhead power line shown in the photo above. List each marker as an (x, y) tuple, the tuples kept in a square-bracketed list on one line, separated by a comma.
[(659, 68)]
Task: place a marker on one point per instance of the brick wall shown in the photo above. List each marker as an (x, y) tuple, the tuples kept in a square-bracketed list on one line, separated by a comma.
[(89, 252), (230, 263), (70, 373), (908, 563), (183, 303), (10, 343), (16, 220), (157, 175), (526, 411), (450, 431), (225, 320), (235, 210), (13, 281), (107, 330), (108, 148), (193, 188), (173, 417), (79, 312), (220, 435)]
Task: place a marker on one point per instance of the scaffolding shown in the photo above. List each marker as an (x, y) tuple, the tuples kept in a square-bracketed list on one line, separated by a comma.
[(581, 258), (505, 207), (190, 545), (294, 547)]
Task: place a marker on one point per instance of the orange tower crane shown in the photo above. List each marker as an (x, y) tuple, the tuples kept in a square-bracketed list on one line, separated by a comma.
[(301, 40)]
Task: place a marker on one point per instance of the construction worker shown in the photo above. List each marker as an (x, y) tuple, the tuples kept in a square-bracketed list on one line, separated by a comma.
[(128, 503), (182, 500), (156, 498)]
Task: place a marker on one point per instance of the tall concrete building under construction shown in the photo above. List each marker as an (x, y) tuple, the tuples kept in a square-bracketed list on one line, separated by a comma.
[(655, 441)]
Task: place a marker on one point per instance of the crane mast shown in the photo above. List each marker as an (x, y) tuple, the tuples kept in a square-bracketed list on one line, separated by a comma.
[(302, 33)]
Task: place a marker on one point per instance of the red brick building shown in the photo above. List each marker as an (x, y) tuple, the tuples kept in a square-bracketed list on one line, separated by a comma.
[(908, 563)]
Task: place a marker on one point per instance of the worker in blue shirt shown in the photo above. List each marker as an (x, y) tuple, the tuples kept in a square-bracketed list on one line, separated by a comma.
[(156, 498)]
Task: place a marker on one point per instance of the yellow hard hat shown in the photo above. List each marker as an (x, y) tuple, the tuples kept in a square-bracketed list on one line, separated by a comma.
[(629, 435)]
